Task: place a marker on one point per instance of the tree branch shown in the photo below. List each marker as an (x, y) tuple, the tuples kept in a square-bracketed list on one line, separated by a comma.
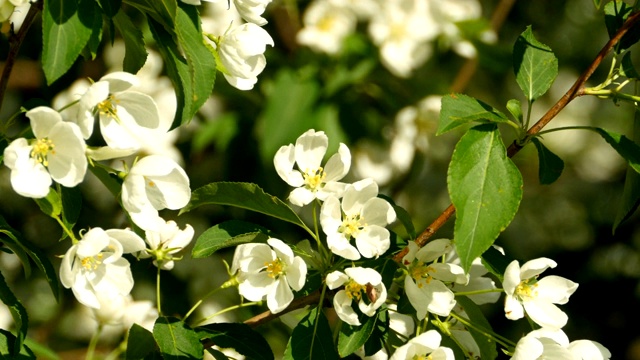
[(575, 91), (15, 42)]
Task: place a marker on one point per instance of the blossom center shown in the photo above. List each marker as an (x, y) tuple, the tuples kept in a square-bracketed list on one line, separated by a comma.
[(41, 150), (275, 268), (354, 290), (326, 24), (351, 226), (526, 289), (108, 107), (421, 271), (91, 263), (422, 357), (314, 179)]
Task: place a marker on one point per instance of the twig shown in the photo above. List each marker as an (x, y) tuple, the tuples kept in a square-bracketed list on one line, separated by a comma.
[(575, 91), (298, 303), (15, 41)]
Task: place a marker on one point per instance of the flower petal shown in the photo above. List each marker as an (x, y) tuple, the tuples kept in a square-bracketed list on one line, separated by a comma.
[(338, 165), (279, 297), (535, 267), (310, 148), (555, 289), (545, 313)]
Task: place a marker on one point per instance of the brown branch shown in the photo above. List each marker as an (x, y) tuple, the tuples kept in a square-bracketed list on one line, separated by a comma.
[(514, 148), (15, 41), (298, 303)]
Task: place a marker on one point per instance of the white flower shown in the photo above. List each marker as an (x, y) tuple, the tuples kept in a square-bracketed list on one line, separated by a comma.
[(325, 26), (165, 240), (57, 153), (361, 216), (269, 270), (94, 267), (241, 54), (427, 343), (127, 117), (312, 181), (154, 183), (537, 297), (424, 284), (363, 285), (251, 10), (554, 344), (402, 30)]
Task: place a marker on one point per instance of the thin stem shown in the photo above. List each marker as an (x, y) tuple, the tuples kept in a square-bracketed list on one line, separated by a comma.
[(576, 90), (489, 334), (158, 292), (478, 292), (529, 107), (230, 308), (15, 42), (611, 94), (541, 133), (66, 230), (93, 343), (229, 283)]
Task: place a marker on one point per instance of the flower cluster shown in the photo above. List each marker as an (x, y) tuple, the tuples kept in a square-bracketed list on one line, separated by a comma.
[(402, 29), (238, 47)]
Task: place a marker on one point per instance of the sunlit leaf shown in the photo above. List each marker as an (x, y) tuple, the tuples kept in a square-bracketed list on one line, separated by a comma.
[(485, 188), (535, 65), (66, 27), (243, 195), (176, 340), (135, 52), (227, 234), (7, 346), (460, 109)]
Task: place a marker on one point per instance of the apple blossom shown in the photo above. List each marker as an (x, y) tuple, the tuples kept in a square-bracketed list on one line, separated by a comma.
[(363, 285), (126, 116), (165, 240), (361, 216), (154, 183), (94, 267), (425, 282), (424, 346), (269, 270), (57, 153), (312, 181), (240, 54), (525, 293), (251, 10), (554, 344), (325, 26)]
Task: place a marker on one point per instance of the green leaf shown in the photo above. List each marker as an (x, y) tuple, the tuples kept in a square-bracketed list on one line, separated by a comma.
[(460, 109), (140, 343), (243, 195), (95, 40), (485, 188), (631, 192), (380, 334), (515, 108), (71, 206), (37, 255), (162, 11), (535, 65), (18, 312), (476, 317), (67, 27), (311, 339), (51, 204), (627, 68), (351, 338), (110, 7), (615, 14), (629, 150), (109, 180), (290, 100), (494, 261), (135, 52), (7, 346), (10, 240), (227, 234), (550, 165), (193, 77), (239, 337), (176, 340)]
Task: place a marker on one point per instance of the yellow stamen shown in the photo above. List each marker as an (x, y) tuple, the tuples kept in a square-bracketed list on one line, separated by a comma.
[(354, 290), (275, 268), (351, 226), (91, 263), (421, 271), (41, 149), (314, 179), (108, 107), (526, 289)]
